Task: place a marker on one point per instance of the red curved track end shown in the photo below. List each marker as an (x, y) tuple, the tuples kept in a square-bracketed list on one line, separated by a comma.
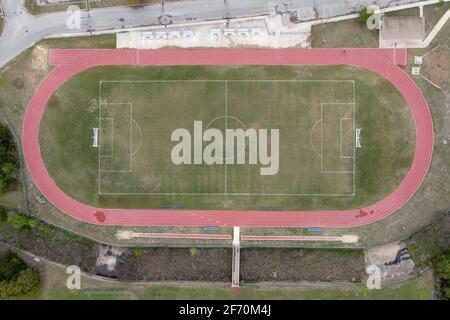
[(385, 62)]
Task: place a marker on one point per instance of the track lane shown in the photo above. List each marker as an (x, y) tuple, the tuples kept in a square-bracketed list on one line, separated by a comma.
[(381, 61)]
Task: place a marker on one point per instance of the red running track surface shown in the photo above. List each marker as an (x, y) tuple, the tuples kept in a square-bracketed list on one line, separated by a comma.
[(385, 62)]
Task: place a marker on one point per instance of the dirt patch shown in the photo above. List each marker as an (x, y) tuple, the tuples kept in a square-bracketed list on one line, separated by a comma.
[(301, 265), (163, 264), (436, 65)]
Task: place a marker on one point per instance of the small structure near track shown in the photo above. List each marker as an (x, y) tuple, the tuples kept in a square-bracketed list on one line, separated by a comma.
[(72, 62), (107, 260)]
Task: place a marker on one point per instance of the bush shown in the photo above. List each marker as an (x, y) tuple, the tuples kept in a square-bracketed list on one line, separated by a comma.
[(8, 159), (16, 278), (19, 221)]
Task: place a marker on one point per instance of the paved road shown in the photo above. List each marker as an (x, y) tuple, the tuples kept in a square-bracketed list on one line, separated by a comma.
[(23, 30)]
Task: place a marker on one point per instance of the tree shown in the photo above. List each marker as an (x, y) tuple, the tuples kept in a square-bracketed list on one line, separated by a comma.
[(441, 266), (10, 266), (16, 278), (8, 159), (28, 281)]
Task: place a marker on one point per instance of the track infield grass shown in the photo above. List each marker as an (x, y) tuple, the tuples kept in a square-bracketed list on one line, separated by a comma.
[(316, 110)]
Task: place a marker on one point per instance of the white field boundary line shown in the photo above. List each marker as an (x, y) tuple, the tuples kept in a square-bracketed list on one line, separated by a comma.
[(223, 194), (226, 104), (429, 81), (223, 81)]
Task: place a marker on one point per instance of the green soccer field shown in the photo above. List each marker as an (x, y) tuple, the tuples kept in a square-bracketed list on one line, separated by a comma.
[(128, 162)]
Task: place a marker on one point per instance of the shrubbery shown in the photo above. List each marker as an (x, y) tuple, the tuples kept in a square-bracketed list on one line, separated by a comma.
[(16, 278), (20, 221)]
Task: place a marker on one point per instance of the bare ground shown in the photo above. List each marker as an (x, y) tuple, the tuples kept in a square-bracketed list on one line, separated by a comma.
[(300, 265)]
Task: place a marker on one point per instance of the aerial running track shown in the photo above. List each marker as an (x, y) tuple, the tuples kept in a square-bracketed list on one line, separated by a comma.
[(385, 62)]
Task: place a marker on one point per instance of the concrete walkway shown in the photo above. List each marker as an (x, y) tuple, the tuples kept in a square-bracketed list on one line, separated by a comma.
[(344, 238), (236, 258)]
